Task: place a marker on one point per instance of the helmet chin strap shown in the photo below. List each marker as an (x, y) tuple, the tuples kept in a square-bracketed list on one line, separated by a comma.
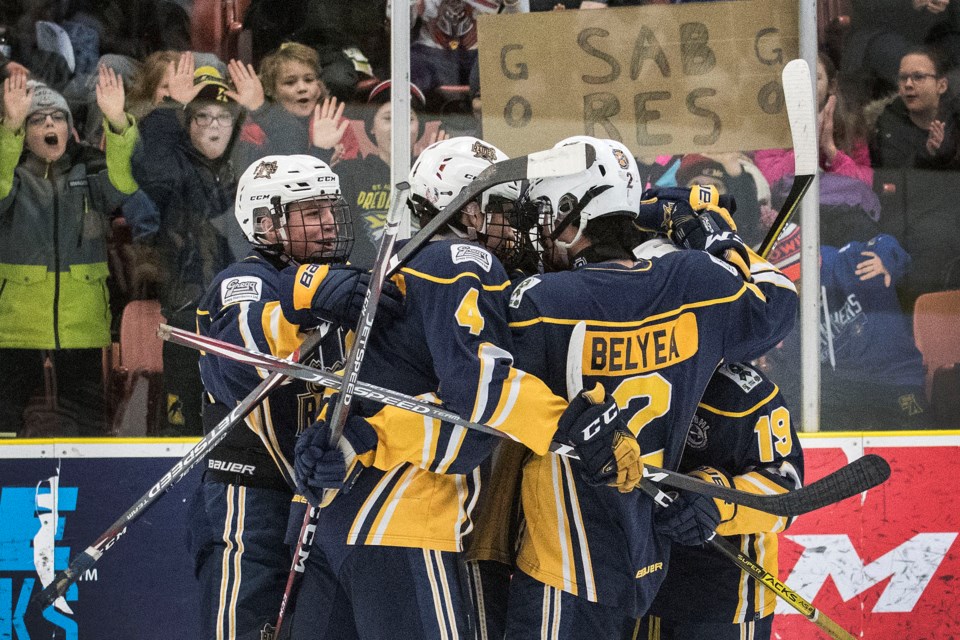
[(575, 214)]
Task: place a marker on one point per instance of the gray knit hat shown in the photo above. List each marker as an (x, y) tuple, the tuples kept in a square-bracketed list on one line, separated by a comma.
[(45, 98)]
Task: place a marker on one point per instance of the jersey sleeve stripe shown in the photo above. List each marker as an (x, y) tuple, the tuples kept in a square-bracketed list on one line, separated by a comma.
[(563, 528), (739, 414), (455, 442), (507, 400), (383, 486), (245, 332), (466, 274), (775, 278), (282, 337)]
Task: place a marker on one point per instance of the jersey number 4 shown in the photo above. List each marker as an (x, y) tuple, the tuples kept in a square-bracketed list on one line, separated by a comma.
[(468, 313)]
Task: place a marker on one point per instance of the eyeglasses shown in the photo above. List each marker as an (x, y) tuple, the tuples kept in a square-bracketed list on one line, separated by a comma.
[(205, 119), (39, 118), (917, 77)]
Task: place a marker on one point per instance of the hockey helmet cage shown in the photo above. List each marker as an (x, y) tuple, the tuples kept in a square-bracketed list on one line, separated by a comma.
[(267, 189), (609, 187)]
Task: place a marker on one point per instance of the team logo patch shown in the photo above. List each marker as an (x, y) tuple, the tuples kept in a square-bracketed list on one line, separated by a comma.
[(471, 253), (484, 151), (742, 375), (241, 289), (517, 296), (265, 169), (697, 436), (622, 159)]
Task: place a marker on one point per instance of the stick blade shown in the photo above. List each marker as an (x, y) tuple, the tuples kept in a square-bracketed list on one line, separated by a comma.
[(855, 478), (798, 95), (561, 161)]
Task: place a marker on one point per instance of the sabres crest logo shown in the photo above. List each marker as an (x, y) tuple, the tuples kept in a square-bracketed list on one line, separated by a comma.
[(668, 209), (265, 170), (485, 152), (621, 159)]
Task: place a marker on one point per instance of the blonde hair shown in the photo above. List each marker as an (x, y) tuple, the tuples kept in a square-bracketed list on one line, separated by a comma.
[(146, 80), (288, 52)]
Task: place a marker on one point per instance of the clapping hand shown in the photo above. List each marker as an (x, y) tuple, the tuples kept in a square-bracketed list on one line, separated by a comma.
[(935, 137)]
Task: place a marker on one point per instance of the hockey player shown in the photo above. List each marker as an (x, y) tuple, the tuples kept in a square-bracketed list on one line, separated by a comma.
[(391, 541), (290, 210), (657, 327), (742, 435)]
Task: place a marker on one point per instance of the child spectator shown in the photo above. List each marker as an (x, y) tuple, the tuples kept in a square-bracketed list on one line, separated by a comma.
[(55, 196), (183, 166), (286, 110), (841, 134)]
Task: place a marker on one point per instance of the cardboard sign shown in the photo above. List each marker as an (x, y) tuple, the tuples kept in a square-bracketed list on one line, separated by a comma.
[(701, 77)]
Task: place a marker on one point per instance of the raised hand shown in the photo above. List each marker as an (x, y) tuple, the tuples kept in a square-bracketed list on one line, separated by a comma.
[(16, 100), (935, 137), (180, 76), (110, 97), (249, 93), (428, 139), (328, 124)]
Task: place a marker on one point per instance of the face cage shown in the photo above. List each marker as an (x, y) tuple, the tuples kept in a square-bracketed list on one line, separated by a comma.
[(512, 234), (333, 243)]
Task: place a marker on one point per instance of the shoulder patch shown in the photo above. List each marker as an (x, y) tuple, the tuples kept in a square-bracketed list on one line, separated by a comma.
[(697, 436), (240, 289), (741, 375), (520, 289), (471, 253)]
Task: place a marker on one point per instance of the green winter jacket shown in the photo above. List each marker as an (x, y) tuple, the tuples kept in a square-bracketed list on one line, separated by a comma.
[(53, 254)]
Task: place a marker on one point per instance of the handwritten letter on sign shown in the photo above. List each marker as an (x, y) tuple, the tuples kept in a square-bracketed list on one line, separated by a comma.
[(662, 78)]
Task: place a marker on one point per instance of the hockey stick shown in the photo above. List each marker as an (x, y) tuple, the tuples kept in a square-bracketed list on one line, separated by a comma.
[(798, 97), (338, 415), (850, 480), (86, 559), (574, 379)]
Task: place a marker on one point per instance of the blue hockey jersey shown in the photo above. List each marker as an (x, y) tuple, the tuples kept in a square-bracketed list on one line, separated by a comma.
[(742, 427), (242, 306), (656, 332)]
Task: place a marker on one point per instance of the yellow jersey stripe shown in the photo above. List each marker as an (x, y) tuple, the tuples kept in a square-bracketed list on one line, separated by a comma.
[(369, 504), (457, 436), (634, 324), (743, 586), (439, 280), (739, 414), (509, 399), (282, 337), (487, 355), (380, 525), (303, 293)]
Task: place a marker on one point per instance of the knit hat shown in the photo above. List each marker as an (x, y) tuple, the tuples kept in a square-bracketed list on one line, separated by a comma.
[(45, 99)]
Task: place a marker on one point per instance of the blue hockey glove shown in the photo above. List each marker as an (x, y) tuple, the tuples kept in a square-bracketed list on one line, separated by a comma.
[(696, 218), (609, 453), (690, 520), (332, 293), (319, 466), (693, 519)]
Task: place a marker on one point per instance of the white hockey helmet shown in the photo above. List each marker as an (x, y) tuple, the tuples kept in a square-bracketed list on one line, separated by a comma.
[(264, 194), (446, 167), (610, 187)]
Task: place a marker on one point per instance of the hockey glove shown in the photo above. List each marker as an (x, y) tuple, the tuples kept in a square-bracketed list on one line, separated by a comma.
[(332, 293), (609, 453), (693, 519), (695, 218), (319, 466)]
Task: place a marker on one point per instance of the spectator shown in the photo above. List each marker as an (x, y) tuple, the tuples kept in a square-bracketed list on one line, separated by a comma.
[(365, 180), (285, 114), (920, 128), (184, 168), (841, 134), (727, 172), (55, 195), (151, 83)]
